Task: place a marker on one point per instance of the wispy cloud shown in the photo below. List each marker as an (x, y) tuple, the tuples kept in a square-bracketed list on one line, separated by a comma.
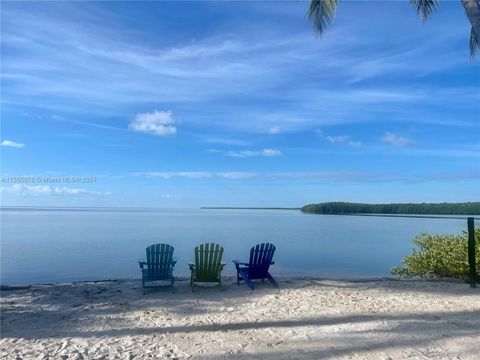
[(343, 139), (396, 140), (355, 144), (9, 143), (169, 175), (320, 176), (67, 70), (337, 139), (195, 174), (249, 153), (211, 139), (274, 130), (21, 189), (160, 123), (271, 152), (236, 175)]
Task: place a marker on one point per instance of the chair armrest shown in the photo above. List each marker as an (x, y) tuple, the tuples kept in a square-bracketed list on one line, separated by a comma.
[(142, 263), (238, 263), (191, 265), (272, 263), (222, 265)]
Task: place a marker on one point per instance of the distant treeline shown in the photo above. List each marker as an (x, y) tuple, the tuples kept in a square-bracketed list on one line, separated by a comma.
[(245, 208), (466, 208)]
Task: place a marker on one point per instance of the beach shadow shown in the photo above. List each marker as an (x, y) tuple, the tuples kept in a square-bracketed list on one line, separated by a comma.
[(452, 287), (410, 330), (75, 311)]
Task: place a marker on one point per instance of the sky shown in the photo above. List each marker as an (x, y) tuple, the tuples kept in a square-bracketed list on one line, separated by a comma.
[(188, 104)]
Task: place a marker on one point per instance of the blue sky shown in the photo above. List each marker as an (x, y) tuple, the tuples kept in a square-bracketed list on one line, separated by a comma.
[(236, 104)]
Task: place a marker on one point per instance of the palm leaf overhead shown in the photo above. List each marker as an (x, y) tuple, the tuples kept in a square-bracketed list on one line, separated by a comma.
[(472, 10), (474, 43), (322, 13), (424, 7)]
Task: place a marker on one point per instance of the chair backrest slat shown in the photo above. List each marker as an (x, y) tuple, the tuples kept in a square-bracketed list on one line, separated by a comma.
[(159, 261), (261, 256), (208, 259)]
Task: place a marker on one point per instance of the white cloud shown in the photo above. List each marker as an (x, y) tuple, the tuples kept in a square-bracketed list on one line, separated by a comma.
[(236, 175), (223, 140), (344, 139), (274, 130), (337, 139), (396, 140), (170, 174), (160, 123), (271, 152), (250, 153), (355, 144), (10, 143), (320, 176), (21, 189), (241, 154), (196, 174)]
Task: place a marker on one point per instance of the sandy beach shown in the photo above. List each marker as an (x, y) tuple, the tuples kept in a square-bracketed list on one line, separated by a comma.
[(306, 319)]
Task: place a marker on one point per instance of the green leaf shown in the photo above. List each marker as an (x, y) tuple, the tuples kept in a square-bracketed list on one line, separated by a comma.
[(424, 7), (474, 44), (440, 256), (322, 13)]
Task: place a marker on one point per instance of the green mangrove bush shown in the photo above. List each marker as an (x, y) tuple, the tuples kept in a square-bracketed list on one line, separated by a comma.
[(439, 256)]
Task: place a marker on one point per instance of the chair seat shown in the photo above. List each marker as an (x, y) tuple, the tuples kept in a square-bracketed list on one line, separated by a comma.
[(252, 274), (147, 277)]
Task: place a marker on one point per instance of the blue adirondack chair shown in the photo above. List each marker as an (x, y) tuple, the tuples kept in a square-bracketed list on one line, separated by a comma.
[(158, 265), (260, 260)]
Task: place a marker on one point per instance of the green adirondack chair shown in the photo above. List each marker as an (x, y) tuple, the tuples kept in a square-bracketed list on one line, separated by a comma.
[(208, 264), (158, 266)]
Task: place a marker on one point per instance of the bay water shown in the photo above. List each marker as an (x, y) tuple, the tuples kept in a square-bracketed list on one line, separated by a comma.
[(63, 245)]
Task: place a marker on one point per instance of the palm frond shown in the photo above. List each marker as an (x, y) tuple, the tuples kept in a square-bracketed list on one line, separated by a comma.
[(322, 13), (474, 44), (424, 7)]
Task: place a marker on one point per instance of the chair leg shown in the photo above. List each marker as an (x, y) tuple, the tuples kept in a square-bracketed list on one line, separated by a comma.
[(247, 281), (238, 278), (272, 281)]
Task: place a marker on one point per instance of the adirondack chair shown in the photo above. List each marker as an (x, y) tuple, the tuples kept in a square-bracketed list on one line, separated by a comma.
[(208, 264), (260, 260), (158, 265)]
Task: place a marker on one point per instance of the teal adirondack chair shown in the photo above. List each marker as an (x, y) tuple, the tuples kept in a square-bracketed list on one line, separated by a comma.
[(158, 265), (208, 264)]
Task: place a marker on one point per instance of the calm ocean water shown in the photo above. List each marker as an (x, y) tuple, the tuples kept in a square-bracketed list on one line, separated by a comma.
[(41, 246)]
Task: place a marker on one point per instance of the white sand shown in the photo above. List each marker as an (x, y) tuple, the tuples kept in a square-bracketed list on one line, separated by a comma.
[(307, 319)]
